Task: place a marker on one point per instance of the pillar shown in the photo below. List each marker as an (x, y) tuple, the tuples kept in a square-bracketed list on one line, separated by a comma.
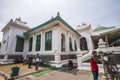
[(10, 40), (34, 43), (42, 41), (106, 40), (67, 42), (79, 62), (57, 62)]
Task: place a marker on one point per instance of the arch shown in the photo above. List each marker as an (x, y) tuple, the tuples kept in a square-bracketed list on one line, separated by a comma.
[(83, 44), (70, 44), (75, 45), (62, 42)]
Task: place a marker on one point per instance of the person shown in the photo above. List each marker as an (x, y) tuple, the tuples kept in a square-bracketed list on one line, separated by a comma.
[(93, 63), (37, 60), (70, 64), (30, 59)]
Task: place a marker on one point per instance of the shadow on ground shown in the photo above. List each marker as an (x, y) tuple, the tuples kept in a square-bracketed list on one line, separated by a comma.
[(68, 70)]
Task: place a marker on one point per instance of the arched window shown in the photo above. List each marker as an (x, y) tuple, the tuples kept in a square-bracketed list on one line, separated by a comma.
[(83, 44), (62, 42), (70, 44), (75, 45)]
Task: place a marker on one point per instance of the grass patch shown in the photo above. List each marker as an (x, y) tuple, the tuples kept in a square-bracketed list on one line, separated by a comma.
[(37, 74)]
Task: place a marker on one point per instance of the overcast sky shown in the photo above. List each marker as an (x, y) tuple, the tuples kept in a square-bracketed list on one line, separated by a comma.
[(74, 12)]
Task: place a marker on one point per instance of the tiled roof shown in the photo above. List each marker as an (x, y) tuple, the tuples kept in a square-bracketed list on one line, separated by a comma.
[(102, 28)]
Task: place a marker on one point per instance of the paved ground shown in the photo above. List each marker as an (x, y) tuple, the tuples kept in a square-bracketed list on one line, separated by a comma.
[(23, 69), (61, 74), (1, 78)]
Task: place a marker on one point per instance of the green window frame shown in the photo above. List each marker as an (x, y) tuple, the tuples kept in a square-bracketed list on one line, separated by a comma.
[(19, 44), (48, 41), (38, 42), (30, 44)]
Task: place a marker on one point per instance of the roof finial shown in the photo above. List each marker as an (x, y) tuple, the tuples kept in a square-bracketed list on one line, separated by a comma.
[(58, 14), (52, 17), (11, 20), (19, 18), (90, 25)]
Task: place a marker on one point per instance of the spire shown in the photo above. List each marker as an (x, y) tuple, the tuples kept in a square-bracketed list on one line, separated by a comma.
[(90, 25), (19, 18), (11, 20), (52, 17), (58, 14), (84, 23)]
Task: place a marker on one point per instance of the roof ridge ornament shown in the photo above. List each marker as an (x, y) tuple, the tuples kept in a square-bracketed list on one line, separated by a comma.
[(84, 23), (58, 13), (52, 17), (89, 25), (11, 20)]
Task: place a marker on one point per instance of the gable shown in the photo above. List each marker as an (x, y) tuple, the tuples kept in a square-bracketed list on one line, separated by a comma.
[(58, 18)]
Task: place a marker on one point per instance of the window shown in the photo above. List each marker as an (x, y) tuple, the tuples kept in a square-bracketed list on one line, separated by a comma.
[(83, 44), (75, 45), (48, 40), (70, 44), (30, 44), (62, 42), (19, 44), (38, 42)]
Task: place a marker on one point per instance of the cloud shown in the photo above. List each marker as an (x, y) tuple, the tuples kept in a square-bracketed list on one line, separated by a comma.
[(36, 12)]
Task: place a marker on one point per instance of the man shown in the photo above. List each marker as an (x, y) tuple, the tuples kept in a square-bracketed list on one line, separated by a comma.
[(93, 63), (70, 64), (37, 60), (30, 59)]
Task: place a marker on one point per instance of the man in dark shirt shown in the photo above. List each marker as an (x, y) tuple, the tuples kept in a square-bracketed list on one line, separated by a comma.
[(30, 59)]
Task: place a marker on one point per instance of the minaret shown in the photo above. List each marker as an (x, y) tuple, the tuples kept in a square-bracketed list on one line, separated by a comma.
[(58, 14)]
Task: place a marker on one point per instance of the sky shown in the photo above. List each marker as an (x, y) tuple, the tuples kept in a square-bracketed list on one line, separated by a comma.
[(74, 12)]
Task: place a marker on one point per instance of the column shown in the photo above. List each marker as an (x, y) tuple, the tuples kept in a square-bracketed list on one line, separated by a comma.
[(56, 40), (10, 40), (67, 42), (34, 43), (42, 41), (57, 59), (73, 43), (79, 62), (106, 40), (78, 44)]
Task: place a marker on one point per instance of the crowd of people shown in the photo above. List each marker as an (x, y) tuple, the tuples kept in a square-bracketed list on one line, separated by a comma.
[(93, 62)]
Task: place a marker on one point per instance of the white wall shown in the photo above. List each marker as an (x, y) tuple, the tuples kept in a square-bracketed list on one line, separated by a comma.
[(73, 37), (11, 33), (56, 40), (16, 32), (5, 38), (87, 34), (54, 47)]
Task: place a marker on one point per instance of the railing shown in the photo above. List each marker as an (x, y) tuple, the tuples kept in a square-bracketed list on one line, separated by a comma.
[(116, 50)]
